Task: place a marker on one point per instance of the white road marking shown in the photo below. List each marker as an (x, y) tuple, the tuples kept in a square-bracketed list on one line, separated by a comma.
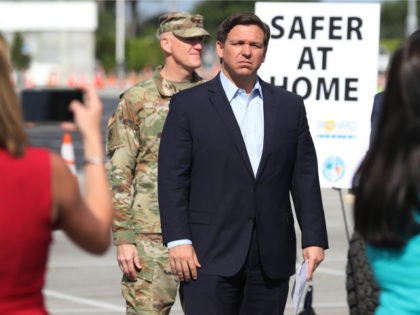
[(84, 301)]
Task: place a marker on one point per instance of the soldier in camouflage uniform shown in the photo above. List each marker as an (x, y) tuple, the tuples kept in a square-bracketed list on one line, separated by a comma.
[(133, 136)]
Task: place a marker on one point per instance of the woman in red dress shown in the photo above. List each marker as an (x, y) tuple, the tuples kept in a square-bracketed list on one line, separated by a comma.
[(39, 193)]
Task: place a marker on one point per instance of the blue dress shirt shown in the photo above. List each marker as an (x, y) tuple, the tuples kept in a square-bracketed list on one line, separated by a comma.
[(249, 113)]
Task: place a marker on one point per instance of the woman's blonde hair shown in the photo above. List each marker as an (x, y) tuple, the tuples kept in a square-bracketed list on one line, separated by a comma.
[(12, 132)]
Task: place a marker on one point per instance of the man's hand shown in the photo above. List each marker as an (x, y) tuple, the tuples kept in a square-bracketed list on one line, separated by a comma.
[(184, 262), (128, 260), (314, 255)]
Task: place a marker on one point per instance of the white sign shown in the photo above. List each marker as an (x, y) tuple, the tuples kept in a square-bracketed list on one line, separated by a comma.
[(328, 54)]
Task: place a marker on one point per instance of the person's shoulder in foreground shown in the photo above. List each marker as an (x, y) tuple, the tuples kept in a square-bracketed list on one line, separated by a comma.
[(39, 193), (386, 186)]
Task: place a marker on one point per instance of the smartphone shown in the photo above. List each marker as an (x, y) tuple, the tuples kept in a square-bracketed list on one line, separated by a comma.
[(49, 104)]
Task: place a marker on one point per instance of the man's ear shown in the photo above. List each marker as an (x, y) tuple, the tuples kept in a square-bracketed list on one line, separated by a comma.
[(165, 42), (219, 49), (265, 54)]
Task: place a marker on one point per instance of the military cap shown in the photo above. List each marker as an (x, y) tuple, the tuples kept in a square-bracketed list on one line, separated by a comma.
[(182, 24)]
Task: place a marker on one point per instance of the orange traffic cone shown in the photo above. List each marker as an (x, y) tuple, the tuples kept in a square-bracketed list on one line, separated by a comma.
[(67, 152)]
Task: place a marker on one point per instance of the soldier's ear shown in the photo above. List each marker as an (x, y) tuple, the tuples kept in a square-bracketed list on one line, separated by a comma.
[(165, 42)]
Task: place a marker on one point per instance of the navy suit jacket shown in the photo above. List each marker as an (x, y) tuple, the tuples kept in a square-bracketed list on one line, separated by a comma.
[(377, 105), (208, 192)]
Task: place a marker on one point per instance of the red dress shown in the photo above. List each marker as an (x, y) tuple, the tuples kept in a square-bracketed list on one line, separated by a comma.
[(25, 230)]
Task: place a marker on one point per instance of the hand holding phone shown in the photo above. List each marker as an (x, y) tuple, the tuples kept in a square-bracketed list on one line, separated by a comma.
[(88, 116)]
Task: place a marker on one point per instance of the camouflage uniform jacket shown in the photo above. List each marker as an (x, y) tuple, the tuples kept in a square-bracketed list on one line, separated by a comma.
[(133, 136)]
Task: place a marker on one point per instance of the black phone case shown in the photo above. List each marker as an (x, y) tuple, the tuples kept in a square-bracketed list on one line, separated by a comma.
[(49, 105)]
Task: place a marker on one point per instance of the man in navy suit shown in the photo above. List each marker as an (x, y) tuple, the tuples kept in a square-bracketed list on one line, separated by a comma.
[(231, 151)]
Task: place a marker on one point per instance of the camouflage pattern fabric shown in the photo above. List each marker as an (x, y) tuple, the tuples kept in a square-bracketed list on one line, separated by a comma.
[(182, 24), (132, 145), (155, 290)]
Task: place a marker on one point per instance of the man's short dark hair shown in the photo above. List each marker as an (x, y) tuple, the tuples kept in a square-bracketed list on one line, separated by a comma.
[(244, 18)]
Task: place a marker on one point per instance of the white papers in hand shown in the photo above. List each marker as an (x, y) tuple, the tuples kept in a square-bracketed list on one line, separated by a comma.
[(299, 284)]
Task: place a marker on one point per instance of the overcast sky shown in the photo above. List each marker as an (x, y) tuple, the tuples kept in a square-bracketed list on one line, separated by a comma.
[(153, 7)]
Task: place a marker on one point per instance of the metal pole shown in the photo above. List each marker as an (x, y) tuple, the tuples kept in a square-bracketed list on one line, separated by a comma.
[(120, 39), (343, 210), (412, 21)]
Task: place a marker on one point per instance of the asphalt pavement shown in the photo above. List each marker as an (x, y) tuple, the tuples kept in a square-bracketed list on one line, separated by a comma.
[(80, 283)]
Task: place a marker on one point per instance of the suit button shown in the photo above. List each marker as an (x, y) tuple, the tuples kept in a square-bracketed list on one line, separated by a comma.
[(251, 220)]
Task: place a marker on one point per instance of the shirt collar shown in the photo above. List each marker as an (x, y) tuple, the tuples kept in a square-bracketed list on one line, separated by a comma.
[(167, 88), (231, 89)]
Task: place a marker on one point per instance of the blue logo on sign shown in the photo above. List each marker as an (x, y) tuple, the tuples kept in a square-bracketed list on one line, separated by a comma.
[(333, 168), (333, 129)]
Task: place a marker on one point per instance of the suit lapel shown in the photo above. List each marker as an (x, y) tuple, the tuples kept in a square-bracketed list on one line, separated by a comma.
[(269, 122), (221, 104)]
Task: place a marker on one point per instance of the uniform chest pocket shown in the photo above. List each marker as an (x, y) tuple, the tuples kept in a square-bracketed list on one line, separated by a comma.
[(153, 122)]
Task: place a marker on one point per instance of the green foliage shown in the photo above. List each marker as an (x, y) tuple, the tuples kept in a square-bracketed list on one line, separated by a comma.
[(215, 12), (391, 44), (105, 35), (149, 27), (20, 59), (393, 18), (142, 52), (393, 23)]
